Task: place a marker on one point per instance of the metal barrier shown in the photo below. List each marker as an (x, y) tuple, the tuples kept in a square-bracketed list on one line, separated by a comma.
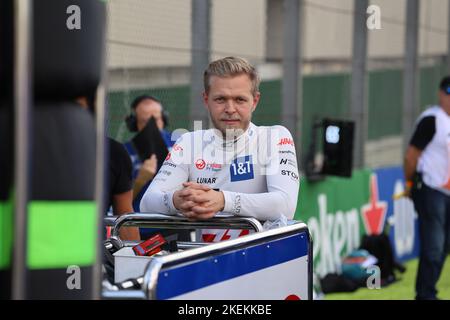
[(267, 264), (156, 220)]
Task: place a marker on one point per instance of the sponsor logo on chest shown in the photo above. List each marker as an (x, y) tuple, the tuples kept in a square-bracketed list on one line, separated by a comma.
[(200, 164), (206, 180), (290, 162), (242, 169), (290, 174), (169, 164), (214, 167)]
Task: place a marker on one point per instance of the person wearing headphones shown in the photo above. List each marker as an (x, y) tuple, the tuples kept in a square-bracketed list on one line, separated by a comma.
[(143, 108)]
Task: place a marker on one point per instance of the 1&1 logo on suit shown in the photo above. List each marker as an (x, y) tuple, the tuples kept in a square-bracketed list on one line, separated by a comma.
[(241, 169)]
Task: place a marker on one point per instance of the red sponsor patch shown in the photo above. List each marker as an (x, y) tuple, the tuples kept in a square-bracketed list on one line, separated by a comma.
[(168, 157), (284, 141), (200, 164)]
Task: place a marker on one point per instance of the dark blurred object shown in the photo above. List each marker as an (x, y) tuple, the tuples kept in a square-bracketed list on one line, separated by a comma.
[(7, 51), (380, 247), (120, 180), (337, 149), (7, 58), (68, 62), (333, 282), (131, 122), (149, 141)]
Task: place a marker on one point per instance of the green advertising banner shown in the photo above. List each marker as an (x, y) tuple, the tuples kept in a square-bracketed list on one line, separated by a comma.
[(332, 210)]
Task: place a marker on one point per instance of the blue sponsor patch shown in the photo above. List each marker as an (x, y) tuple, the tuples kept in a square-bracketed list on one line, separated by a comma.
[(241, 169)]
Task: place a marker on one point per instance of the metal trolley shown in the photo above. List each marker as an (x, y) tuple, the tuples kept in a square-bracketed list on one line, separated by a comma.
[(269, 264)]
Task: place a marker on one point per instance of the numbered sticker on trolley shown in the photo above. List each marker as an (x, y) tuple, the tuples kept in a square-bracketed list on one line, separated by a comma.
[(150, 246)]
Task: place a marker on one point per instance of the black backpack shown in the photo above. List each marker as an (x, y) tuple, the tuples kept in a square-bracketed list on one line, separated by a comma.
[(380, 247)]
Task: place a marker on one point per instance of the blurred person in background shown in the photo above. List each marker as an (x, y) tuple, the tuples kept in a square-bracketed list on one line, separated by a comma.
[(119, 193), (143, 108), (427, 174)]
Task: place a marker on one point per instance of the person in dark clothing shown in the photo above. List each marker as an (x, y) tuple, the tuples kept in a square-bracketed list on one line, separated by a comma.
[(120, 195), (120, 190)]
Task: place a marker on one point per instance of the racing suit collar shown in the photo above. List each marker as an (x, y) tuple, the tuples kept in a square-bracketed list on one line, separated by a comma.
[(222, 143)]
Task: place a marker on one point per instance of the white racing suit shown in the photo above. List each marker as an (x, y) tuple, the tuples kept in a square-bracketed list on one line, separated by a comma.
[(257, 173)]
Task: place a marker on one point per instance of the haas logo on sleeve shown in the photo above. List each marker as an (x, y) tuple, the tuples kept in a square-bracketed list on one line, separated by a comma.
[(241, 169)]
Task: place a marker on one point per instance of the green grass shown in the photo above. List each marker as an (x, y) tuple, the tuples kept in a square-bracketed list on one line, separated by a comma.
[(402, 289)]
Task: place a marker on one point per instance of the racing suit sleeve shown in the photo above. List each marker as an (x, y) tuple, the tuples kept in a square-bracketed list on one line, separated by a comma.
[(282, 184), (170, 177)]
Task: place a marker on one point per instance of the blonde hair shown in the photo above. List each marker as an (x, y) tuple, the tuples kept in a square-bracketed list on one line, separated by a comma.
[(228, 67)]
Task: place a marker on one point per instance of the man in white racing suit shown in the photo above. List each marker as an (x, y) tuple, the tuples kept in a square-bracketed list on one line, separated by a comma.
[(235, 168)]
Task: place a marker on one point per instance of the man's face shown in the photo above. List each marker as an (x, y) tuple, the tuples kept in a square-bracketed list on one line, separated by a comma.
[(230, 102), (147, 109)]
